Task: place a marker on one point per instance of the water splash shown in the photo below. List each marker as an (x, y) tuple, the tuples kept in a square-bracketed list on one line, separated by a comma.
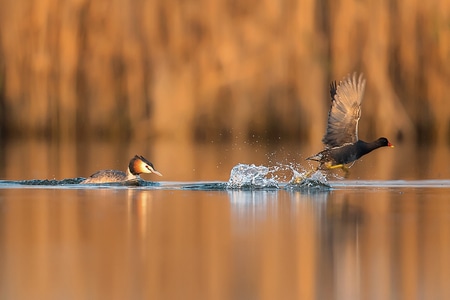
[(251, 177), (245, 176), (307, 180)]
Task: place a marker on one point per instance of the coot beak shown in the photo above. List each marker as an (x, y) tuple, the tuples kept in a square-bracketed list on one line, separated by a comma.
[(390, 145)]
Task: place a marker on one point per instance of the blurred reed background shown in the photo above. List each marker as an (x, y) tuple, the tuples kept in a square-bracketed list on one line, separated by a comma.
[(220, 71)]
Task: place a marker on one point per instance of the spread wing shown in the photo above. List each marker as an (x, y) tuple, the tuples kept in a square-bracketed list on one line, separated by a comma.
[(345, 111)]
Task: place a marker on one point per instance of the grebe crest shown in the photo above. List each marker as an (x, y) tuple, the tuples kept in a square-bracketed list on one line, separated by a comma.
[(138, 165)]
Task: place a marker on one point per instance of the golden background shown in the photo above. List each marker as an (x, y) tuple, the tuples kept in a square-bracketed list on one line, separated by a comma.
[(209, 70)]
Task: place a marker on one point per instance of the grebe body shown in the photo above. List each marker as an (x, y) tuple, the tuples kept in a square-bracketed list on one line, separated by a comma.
[(138, 165)]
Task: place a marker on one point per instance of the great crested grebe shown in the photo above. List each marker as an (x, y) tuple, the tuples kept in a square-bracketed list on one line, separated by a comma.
[(138, 165)]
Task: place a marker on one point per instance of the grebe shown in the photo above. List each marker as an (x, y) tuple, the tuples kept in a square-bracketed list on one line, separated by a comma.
[(342, 145), (138, 164)]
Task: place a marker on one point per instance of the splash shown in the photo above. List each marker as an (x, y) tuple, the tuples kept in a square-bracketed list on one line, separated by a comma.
[(251, 177), (308, 180), (245, 176)]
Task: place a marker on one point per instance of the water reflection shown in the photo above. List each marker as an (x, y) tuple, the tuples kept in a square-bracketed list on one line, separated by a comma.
[(276, 239), (184, 161), (134, 243)]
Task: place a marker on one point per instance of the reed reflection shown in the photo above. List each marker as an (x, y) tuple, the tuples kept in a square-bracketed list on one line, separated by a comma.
[(275, 241), (203, 162)]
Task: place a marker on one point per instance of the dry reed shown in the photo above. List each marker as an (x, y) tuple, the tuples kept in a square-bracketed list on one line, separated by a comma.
[(211, 70)]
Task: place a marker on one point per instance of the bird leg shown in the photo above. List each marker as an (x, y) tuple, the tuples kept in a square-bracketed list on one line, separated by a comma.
[(329, 166), (326, 166)]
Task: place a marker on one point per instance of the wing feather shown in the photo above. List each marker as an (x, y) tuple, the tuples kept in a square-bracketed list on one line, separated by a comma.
[(345, 111)]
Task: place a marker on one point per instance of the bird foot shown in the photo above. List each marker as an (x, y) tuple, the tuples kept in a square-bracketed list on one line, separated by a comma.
[(298, 179)]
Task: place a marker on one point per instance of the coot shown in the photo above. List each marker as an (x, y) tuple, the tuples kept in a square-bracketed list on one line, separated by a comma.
[(342, 145)]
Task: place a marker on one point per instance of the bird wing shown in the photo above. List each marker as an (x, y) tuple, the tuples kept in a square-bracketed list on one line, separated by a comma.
[(345, 111)]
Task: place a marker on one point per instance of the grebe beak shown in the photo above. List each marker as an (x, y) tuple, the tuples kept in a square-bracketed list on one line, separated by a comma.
[(153, 170), (156, 172)]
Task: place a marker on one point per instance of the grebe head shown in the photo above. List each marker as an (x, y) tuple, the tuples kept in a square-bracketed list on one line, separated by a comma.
[(138, 164)]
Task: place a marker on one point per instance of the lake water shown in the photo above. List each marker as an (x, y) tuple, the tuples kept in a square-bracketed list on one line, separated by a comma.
[(382, 233)]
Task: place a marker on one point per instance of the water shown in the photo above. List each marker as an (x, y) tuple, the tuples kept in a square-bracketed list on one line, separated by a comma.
[(249, 238), (255, 229)]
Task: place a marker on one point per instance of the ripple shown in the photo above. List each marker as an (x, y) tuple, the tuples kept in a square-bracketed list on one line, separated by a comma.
[(205, 186), (78, 180), (50, 181)]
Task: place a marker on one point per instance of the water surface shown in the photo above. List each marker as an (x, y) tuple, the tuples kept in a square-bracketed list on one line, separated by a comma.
[(201, 240), (206, 232)]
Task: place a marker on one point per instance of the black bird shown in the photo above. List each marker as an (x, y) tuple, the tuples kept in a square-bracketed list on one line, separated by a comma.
[(342, 145)]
